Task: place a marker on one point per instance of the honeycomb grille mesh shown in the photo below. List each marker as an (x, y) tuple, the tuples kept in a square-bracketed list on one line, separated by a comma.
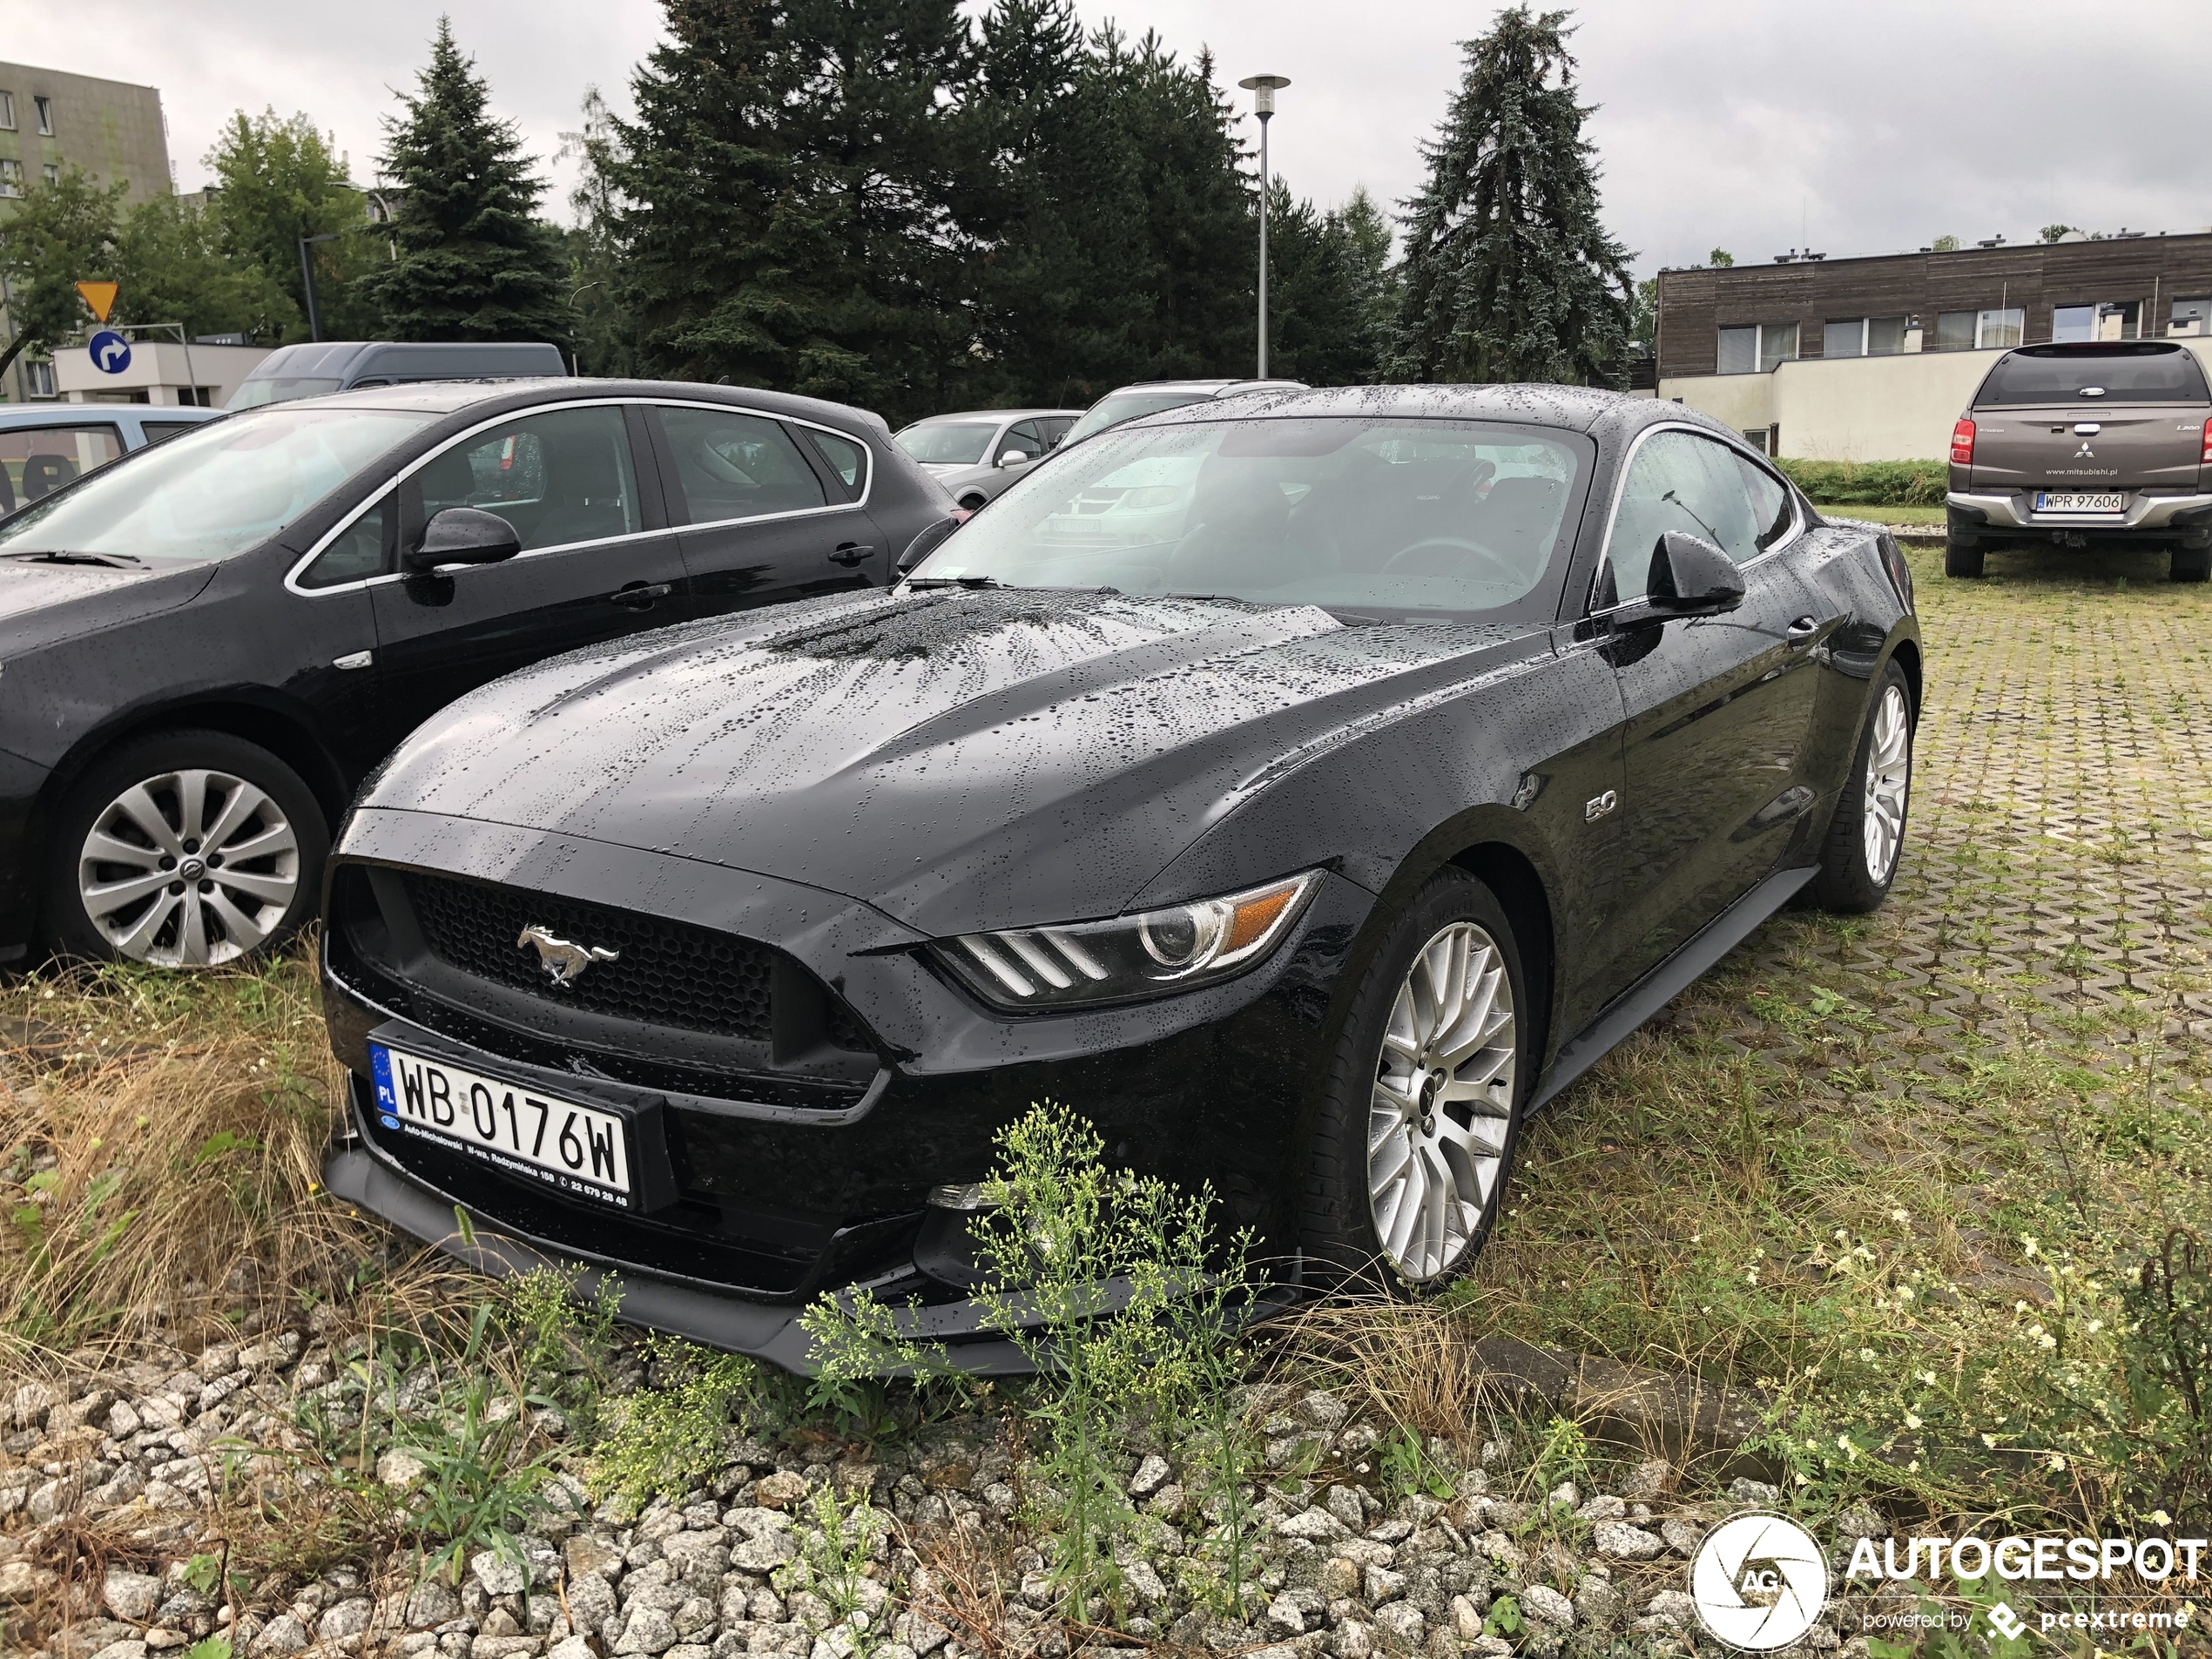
[(665, 973)]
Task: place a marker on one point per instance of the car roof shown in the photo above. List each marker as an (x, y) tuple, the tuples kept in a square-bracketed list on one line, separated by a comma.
[(498, 396), (1578, 407), (1215, 386), (314, 359), (979, 416), (14, 415)]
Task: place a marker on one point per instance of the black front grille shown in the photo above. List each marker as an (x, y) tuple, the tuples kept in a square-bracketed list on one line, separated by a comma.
[(663, 973)]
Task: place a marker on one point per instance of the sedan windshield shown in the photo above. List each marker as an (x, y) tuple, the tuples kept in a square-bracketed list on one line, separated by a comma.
[(948, 443), (1365, 515), (214, 491), (1117, 407)]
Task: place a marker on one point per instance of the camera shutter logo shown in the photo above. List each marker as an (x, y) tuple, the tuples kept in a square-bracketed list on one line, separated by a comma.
[(1759, 1581)]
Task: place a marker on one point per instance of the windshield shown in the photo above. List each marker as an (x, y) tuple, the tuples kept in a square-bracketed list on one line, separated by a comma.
[(213, 491), (252, 394), (2138, 374), (1117, 407), (1362, 515), (948, 443)]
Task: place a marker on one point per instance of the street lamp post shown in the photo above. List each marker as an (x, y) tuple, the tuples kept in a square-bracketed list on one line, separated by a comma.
[(1263, 89), (308, 275)]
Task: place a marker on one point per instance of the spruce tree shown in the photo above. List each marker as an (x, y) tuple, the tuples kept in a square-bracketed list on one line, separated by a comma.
[(1509, 275), (786, 185), (278, 181), (473, 261)]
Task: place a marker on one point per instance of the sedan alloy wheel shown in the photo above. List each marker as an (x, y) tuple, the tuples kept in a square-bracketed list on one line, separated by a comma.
[(189, 868), (1442, 1102), (1889, 778)]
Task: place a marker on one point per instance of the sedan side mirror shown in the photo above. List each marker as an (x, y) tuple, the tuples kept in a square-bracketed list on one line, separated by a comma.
[(1015, 458), (1689, 577), (463, 536)]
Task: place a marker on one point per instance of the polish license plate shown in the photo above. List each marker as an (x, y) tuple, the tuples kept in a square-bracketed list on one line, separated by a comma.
[(584, 1151), (2075, 500)]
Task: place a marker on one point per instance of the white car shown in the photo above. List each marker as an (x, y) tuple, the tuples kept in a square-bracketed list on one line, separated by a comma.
[(976, 455)]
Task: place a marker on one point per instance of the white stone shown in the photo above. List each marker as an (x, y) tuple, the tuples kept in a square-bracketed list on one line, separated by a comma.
[(1626, 1543), (131, 1596), (1316, 1525), (348, 1618), (284, 1634), (1151, 1475), (1404, 1621), (1543, 1602)]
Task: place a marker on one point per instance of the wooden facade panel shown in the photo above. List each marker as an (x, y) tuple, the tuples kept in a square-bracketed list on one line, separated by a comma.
[(1695, 305)]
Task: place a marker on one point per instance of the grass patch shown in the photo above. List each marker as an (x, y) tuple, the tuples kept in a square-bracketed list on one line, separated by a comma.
[(1931, 517)]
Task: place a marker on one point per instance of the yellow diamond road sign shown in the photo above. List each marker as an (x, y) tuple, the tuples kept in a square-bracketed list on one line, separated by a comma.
[(100, 296)]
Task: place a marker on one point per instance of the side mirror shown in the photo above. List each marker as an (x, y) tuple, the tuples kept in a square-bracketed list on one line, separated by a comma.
[(1689, 577), (1015, 458), (462, 535)]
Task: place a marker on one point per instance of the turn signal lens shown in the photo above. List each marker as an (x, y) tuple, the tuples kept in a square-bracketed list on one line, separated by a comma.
[(1174, 948), (1962, 444)]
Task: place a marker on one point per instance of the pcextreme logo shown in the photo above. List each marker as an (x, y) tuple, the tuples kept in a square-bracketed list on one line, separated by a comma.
[(1758, 1581)]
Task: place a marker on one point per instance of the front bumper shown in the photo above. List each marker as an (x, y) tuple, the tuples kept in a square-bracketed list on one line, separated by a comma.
[(2011, 512), (767, 1203)]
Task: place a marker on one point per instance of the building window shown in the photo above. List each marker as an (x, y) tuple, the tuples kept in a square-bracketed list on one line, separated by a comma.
[(1756, 346), (11, 178), (7, 112), (53, 173), (1954, 331), (2191, 316), (1996, 330), (1845, 339), (45, 109), (2073, 323), (38, 378), (1884, 336)]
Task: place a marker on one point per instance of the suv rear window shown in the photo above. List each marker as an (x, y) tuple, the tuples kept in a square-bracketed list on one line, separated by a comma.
[(2144, 374)]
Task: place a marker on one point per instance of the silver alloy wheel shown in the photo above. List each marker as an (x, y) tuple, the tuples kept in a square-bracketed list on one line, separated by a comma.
[(1888, 779), (189, 868), (1442, 1102)]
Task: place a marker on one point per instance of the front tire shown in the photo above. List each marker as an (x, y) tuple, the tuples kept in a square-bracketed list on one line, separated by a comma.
[(1422, 1108), (1866, 836), (186, 849)]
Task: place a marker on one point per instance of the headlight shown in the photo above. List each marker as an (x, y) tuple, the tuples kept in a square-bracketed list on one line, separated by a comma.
[(1183, 945)]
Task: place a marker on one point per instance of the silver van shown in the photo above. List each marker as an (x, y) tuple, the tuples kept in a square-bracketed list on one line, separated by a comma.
[(340, 364)]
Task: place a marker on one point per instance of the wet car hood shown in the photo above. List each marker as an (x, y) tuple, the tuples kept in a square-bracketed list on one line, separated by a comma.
[(957, 759), (41, 602)]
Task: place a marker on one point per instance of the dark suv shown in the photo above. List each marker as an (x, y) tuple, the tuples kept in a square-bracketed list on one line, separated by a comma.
[(2106, 444)]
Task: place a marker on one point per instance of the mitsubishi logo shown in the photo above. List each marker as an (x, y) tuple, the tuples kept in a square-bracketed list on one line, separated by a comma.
[(2085, 452), (563, 962)]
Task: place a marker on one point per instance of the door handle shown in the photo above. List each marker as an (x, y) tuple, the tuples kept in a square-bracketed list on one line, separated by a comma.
[(850, 554), (1802, 629), (639, 596)]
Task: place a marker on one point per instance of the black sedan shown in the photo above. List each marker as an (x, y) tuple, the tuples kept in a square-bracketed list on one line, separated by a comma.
[(207, 644), (1304, 792)]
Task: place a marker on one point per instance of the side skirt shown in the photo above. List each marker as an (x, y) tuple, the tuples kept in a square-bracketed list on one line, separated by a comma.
[(1669, 979)]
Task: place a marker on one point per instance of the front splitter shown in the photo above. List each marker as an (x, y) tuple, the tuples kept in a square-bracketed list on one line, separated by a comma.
[(732, 1322)]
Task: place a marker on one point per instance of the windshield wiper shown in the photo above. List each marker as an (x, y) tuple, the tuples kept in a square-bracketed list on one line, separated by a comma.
[(955, 582), (114, 561)]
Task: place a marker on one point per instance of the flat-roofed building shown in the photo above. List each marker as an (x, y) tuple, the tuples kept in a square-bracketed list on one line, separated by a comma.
[(51, 121), (1727, 333)]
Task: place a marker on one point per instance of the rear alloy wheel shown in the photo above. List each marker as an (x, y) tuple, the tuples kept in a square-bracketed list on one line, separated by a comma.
[(190, 850), (1417, 1127), (1962, 559), (1867, 834)]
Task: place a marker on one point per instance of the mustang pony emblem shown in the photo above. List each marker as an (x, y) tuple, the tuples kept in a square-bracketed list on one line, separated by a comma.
[(561, 959)]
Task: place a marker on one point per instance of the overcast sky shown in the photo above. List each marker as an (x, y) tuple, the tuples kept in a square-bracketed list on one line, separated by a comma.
[(1755, 126)]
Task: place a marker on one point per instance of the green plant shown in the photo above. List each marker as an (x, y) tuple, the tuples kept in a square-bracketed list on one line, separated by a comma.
[(1407, 1468), (1115, 1288), (1873, 483), (664, 1439), (843, 1544), (1505, 1618)]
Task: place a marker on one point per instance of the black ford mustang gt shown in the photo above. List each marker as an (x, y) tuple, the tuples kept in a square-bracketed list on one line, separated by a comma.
[(1305, 792)]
